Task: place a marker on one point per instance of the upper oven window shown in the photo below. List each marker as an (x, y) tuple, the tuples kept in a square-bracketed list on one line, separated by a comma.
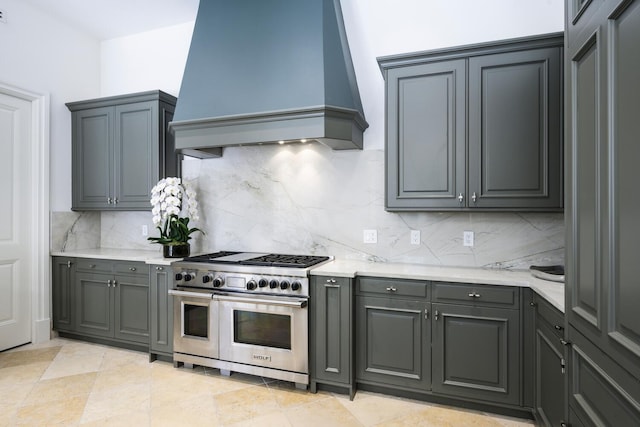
[(263, 329), (196, 320)]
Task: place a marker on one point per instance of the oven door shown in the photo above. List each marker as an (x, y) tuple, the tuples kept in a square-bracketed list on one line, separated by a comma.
[(265, 331), (195, 326)]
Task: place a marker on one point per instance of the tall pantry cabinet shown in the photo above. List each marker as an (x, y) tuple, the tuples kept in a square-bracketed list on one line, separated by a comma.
[(602, 140)]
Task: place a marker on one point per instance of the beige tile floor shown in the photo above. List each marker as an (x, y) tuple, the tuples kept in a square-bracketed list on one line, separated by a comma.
[(66, 382)]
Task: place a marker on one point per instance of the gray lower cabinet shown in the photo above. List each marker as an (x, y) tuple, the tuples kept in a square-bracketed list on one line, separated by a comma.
[(62, 293), (111, 300), (476, 342), (121, 148), (331, 327), (475, 127), (550, 365), (393, 333), (161, 311)]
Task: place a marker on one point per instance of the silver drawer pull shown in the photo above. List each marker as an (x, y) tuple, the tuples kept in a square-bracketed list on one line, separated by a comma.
[(331, 280), (558, 328), (460, 198), (108, 283), (159, 268), (392, 289), (474, 295), (92, 266), (132, 268)]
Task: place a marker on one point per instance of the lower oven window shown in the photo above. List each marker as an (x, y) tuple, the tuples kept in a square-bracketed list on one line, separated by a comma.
[(263, 329), (196, 320)]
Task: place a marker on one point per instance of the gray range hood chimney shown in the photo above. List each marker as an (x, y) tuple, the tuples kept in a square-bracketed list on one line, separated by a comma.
[(265, 71)]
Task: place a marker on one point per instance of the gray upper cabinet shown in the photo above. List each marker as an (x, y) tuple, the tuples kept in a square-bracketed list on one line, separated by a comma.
[(602, 100), (121, 148), (475, 127), (426, 151)]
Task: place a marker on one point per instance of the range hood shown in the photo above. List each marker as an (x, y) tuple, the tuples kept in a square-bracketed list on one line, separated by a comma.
[(263, 72)]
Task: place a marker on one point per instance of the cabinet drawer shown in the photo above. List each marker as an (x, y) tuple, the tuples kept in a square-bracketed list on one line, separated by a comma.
[(393, 287), (484, 295), (94, 265), (140, 268), (546, 313)]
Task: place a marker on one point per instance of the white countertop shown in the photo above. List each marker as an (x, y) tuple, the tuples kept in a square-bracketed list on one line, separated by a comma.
[(551, 291), (149, 257)]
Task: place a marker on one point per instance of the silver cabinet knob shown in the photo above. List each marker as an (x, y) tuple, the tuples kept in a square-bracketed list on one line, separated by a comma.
[(460, 198), (392, 289), (474, 197), (474, 295), (108, 283)]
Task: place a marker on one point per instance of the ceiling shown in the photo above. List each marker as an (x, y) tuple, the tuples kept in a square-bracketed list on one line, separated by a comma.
[(107, 19)]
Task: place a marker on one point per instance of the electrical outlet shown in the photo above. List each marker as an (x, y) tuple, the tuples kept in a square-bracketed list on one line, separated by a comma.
[(415, 237), (467, 238), (3, 16), (370, 236), (145, 230)]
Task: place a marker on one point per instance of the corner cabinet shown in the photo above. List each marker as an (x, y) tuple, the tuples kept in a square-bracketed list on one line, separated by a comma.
[(602, 63), (121, 147), (332, 323), (475, 127), (550, 365)]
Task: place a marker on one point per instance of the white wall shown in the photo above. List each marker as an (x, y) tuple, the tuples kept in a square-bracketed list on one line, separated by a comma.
[(146, 61), (43, 55)]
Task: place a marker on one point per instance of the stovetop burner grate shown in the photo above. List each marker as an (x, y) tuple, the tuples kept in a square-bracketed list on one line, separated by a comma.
[(268, 260)]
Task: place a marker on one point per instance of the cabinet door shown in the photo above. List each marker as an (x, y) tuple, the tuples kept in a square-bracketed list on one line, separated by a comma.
[(136, 154), (132, 308), (550, 377), (515, 130), (601, 392), (93, 304), (393, 339), (62, 294), (476, 353), (161, 310), (92, 159), (622, 233), (426, 136), (332, 325)]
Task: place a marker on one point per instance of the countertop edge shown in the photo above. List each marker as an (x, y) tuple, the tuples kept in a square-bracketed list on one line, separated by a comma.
[(553, 292)]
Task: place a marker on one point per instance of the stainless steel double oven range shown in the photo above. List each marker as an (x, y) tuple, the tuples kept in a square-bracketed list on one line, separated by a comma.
[(244, 312)]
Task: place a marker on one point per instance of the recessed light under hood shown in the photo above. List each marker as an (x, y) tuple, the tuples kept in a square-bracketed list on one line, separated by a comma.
[(268, 71)]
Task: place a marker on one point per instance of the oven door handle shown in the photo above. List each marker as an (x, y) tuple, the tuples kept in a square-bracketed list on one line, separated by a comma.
[(294, 303), (201, 295)]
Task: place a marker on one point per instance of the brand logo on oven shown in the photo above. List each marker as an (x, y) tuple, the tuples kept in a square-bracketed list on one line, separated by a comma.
[(262, 357)]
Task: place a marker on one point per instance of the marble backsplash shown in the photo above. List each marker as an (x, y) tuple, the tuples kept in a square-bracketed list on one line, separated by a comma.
[(306, 198)]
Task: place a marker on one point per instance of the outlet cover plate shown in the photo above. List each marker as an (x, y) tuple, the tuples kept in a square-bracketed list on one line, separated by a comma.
[(415, 237), (370, 236), (467, 238)]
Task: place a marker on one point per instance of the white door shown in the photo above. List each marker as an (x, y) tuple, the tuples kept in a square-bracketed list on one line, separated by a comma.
[(15, 221)]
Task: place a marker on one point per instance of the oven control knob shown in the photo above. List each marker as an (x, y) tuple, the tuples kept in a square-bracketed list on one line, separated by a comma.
[(284, 285), (251, 285), (262, 283), (207, 278), (217, 282), (189, 276), (295, 286), (273, 284), (178, 277)]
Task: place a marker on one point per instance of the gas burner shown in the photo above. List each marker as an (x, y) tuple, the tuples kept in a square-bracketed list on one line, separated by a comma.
[(281, 260), (259, 259)]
